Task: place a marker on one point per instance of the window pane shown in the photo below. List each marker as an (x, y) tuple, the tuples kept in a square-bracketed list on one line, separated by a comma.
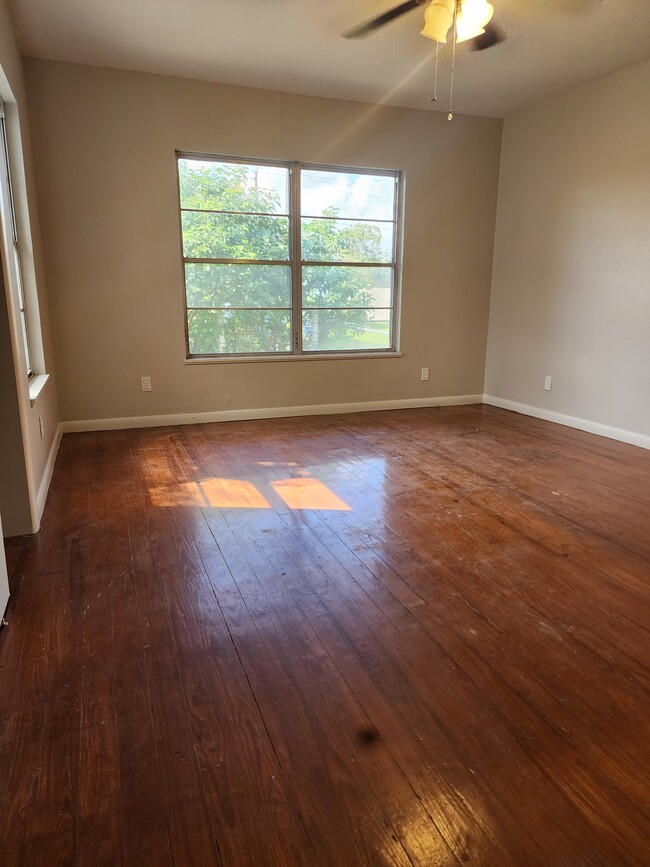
[(346, 241), (345, 194), (28, 360), (327, 330), (346, 286), (226, 331), (217, 186), (19, 275), (237, 285), (233, 236)]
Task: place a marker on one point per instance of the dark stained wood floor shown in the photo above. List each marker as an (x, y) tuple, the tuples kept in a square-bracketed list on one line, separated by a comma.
[(400, 638)]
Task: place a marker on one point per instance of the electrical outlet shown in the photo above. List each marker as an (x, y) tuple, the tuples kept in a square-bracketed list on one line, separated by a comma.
[(548, 382), (424, 376), (146, 383), (40, 426)]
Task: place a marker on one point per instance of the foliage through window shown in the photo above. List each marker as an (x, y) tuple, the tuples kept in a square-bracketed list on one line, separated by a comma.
[(287, 259)]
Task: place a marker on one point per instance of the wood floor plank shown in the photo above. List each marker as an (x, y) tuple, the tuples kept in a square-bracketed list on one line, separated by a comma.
[(40, 738), (409, 638), (334, 722), (239, 771), (380, 768), (249, 616)]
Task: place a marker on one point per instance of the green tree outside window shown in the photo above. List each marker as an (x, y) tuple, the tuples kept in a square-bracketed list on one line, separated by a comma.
[(242, 304)]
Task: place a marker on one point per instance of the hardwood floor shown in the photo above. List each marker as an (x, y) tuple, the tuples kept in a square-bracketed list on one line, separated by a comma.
[(399, 638)]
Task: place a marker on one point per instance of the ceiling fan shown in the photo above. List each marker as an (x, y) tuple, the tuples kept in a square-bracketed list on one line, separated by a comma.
[(467, 19), (462, 20)]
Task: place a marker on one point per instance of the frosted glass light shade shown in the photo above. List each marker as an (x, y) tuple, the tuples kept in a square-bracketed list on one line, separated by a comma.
[(472, 18), (438, 18)]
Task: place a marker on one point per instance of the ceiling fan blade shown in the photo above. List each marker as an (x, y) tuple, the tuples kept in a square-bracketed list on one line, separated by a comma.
[(380, 20), (492, 36)]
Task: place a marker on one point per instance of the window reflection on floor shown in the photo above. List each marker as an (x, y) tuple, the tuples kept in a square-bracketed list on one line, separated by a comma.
[(307, 493), (300, 492)]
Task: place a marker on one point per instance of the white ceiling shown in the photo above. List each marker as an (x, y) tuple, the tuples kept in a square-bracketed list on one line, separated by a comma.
[(296, 46)]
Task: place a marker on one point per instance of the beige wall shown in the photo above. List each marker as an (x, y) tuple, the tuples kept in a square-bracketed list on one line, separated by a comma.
[(37, 449), (15, 505), (104, 142), (571, 282)]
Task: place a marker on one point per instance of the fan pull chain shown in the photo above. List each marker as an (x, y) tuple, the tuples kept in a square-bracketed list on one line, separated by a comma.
[(450, 116), (435, 78)]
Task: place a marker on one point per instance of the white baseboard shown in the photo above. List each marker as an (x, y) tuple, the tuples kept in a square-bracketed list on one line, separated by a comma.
[(594, 427), (44, 487), (266, 412)]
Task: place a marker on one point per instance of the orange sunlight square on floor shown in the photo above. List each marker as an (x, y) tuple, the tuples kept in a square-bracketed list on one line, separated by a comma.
[(219, 493)]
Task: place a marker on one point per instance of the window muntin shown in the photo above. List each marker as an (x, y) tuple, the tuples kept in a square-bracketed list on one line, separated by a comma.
[(11, 237), (286, 259)]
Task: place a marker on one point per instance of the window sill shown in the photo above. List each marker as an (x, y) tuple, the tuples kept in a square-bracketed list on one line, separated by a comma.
[(247, 359), (36, 386)]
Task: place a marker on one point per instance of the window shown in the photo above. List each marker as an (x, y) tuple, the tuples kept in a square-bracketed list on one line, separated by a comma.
[(285, 259), (11, 235)]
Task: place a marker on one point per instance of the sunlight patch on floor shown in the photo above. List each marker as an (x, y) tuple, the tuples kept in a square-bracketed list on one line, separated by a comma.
[(301, 493), (306, 493)]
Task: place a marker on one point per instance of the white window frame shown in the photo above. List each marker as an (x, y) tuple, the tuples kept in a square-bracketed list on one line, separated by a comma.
[(297, 353), (7, 204)]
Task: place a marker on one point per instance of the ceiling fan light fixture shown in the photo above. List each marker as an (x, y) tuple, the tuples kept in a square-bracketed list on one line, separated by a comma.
[(472, 17), (438, 18)]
